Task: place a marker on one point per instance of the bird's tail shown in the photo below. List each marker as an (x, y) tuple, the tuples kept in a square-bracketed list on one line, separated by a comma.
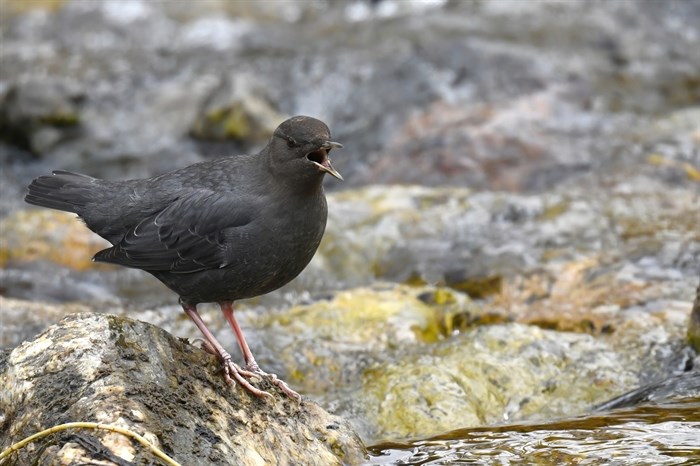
[(62, 191)]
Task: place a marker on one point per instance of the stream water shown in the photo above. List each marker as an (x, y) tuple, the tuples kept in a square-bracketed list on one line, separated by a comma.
[(651, 434)]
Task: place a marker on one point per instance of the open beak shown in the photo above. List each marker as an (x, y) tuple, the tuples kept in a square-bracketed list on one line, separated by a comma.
[(321, 159)]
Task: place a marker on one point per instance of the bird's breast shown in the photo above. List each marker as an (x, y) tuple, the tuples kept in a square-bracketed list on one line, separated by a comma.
[(277, 246)]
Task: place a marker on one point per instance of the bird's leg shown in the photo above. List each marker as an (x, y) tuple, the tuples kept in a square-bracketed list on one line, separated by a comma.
[(251, 364), (231, 370)]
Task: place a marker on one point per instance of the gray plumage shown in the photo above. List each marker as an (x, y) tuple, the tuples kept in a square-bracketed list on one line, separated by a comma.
[(220, 230)]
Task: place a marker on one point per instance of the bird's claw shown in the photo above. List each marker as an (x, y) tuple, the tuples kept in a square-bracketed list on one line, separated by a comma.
[(274, 380), (234, 372)]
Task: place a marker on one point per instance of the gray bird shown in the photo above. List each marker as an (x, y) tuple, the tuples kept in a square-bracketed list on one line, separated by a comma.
[(216, 231)]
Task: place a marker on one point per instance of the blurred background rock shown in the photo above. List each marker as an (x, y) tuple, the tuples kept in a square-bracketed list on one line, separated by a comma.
[(531, 166)]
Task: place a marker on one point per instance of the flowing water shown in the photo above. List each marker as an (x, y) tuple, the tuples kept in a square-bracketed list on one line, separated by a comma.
[(651, 434)]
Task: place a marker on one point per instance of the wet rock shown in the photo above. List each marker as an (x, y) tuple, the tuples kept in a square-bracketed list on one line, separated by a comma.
[(588, 296), (684, 385), (117, 371), (536, 142), (402, 361), (326, 344), (490, 375), (474, 286)]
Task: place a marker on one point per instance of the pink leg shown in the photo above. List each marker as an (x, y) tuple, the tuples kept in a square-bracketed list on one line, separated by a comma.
[(227, 309), (230, 369), (251, 365)]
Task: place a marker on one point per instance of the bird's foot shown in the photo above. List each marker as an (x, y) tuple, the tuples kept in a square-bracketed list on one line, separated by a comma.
[(233, 371), (274, 380)]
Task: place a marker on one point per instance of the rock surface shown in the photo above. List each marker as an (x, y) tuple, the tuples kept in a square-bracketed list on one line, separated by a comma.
[(114, 370), (49, 234), (23, 320), (405, 361)]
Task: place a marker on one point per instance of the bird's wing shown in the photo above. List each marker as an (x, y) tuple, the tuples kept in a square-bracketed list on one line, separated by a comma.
[(186, 236)]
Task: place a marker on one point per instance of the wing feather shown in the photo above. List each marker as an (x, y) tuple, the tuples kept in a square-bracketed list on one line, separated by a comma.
[(188, 235)]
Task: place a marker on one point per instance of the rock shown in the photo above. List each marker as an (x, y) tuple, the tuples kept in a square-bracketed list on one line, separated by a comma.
[(60, 237), (38, 114), (378, 349), (234, 111), (409, 362), (488, 375), (694, 323), (476, 242), (118, 371), (676, 387), (326, 344), (22, 320), (20, 6)]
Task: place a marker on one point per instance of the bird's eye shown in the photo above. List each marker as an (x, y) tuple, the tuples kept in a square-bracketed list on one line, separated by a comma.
[(291, 142)]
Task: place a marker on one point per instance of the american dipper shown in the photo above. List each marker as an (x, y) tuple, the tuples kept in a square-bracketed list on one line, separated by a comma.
[(215, 231)]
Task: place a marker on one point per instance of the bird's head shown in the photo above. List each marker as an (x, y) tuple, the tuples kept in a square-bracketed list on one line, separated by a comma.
[(304, 143)]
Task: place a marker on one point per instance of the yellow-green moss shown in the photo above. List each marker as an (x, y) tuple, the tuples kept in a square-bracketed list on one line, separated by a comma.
[(33, 234), (479, 287)]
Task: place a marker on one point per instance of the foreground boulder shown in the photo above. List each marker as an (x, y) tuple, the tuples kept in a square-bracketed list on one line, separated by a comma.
[(117, 371)]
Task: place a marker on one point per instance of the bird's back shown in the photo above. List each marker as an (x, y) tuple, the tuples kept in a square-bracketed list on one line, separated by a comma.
[(119, 206)]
